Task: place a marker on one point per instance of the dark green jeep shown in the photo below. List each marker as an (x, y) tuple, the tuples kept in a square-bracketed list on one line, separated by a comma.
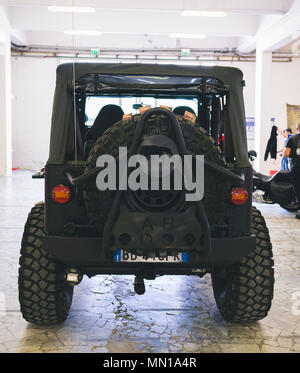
[(91, 224)]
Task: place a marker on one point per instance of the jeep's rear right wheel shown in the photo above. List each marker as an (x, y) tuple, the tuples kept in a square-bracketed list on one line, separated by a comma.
[(244, 291)]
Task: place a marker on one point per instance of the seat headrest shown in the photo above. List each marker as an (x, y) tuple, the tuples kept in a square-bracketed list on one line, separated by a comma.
[(107, 116), (180, 110)]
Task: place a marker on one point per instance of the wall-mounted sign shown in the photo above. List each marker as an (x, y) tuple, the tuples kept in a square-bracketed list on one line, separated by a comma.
[(250, 124), (95, 51), (185, 52)]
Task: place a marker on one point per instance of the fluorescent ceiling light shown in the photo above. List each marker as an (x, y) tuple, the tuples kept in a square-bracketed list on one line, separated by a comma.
[(187, 36), (200, 13), (71, 9), (82, 32)]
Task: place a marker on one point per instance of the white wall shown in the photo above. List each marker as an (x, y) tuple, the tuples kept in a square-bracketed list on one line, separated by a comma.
[(33, 83), (5, 95), (33, 87)]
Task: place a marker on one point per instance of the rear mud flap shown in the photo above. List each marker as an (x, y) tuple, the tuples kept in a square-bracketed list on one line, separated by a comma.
[(146, 232)]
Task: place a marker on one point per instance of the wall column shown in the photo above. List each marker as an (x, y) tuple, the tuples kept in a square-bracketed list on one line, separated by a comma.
[(5, 105), (263, 106)]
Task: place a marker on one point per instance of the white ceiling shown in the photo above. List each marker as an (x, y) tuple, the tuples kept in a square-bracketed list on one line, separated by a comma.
[(139, 24)]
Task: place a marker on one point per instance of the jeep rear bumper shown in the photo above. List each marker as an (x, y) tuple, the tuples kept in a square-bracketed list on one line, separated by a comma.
[(86, 253)]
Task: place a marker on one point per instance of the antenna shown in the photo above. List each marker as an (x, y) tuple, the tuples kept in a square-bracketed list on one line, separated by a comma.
[(74, 89)]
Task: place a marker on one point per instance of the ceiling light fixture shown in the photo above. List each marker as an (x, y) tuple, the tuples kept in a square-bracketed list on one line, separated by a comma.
[(186, 36), (201, 13), (71, 9), (82, 32)]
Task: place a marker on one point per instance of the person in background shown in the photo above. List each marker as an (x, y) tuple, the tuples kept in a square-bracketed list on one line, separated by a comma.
[(292, 151), (285, 164)]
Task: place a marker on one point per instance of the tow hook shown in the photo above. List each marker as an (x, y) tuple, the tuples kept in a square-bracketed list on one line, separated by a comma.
[(139, 285), (73, 276)]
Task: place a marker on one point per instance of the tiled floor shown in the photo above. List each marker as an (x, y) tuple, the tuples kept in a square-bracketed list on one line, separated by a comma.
[(176, 314)]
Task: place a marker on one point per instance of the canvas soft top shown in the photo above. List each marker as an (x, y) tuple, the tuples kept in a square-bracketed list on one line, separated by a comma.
[(63, 100)]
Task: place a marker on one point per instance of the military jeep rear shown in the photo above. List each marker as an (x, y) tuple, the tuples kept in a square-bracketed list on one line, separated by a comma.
[(92, 223)]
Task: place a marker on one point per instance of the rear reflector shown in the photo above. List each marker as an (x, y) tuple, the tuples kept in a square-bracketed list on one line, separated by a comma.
[(239, 196), (61, 194)]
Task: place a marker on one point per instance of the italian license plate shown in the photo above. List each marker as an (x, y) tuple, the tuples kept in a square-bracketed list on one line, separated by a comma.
[(122, 255)]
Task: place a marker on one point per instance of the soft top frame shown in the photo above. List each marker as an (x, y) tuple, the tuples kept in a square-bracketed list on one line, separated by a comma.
[(62, 113)]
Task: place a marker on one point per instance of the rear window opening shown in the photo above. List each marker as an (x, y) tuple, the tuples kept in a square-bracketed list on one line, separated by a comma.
[(129, 104), (207, 98)]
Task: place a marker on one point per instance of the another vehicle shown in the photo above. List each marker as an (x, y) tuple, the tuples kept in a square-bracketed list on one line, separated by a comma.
[(274, 189), (81, 230)]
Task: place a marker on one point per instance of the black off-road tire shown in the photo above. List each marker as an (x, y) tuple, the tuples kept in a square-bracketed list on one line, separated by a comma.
[(197, 141), (44, 297), (244, 291)]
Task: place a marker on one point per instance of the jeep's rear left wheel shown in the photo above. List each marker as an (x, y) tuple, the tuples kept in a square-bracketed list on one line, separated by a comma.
[(244, 291), (44, 297)]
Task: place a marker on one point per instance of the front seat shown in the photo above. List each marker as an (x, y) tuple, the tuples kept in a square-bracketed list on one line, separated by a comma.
[(107, 116), (180, 110)]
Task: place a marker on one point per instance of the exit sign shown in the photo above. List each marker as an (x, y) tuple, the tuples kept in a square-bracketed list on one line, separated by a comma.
[(185, 52), (95, 51)]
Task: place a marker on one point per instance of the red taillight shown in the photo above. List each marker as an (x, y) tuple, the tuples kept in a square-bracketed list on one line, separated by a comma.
[(61, 194), (239, 196)]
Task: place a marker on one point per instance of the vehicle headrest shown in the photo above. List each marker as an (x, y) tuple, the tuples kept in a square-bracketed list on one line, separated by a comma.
[(180, 110), (107, 116)]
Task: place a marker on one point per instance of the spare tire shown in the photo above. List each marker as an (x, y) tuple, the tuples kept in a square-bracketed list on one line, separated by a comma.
[(198, 141)]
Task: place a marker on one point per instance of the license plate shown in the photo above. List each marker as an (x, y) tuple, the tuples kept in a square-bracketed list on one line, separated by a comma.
[(124, 256)]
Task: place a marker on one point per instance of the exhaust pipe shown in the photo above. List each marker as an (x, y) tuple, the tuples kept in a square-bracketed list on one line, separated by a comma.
[(73, 276)]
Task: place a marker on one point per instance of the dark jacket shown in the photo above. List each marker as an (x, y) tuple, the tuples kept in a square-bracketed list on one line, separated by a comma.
[(272, 144)]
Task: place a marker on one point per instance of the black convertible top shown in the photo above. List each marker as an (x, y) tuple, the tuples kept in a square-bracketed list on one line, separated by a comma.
[(62, 113)]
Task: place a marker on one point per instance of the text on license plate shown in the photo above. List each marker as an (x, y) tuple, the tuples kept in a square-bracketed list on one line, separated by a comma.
[(122, 255)]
